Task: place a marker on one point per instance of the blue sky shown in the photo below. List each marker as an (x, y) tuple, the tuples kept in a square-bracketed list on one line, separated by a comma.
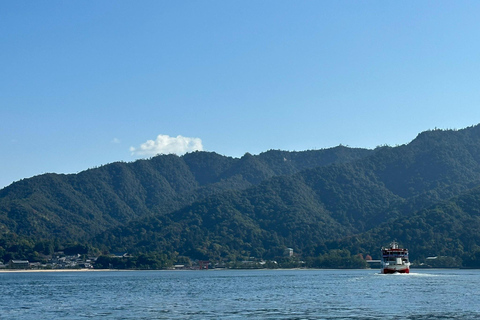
[(86, 83)]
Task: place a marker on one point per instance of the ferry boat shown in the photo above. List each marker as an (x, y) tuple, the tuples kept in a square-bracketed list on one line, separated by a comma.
[(395, 259)]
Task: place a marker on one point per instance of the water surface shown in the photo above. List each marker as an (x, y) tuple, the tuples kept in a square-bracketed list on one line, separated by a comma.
[(246, 294)]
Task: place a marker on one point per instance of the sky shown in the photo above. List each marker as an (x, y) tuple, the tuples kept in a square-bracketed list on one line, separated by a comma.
[(87, 83)]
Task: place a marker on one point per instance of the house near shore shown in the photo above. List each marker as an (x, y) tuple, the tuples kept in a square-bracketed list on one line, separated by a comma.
[(19, 264)]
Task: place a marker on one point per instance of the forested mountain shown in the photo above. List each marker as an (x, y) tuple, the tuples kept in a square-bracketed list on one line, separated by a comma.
[(202, 205), (79, 206)]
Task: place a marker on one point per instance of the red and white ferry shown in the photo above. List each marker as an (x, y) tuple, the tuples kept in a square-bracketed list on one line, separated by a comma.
[(395, 259)]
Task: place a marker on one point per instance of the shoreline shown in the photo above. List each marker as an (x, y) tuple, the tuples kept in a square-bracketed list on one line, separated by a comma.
[(186, 270), (132, 270), (55, 270)]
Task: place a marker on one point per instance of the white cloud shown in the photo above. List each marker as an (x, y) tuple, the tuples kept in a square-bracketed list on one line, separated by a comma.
[(116, 140), (166, 145)]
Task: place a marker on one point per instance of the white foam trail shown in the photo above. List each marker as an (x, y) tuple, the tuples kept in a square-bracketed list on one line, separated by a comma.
[(411, 274)]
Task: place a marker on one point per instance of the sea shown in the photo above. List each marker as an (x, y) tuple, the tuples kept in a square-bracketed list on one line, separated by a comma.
[(241, 294)]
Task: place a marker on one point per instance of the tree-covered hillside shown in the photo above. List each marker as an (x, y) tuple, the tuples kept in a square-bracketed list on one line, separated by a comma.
[(80, 206), (323, 203)]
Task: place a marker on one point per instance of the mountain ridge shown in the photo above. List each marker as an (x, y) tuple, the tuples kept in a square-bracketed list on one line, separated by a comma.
[(204, 205), (118, 192)]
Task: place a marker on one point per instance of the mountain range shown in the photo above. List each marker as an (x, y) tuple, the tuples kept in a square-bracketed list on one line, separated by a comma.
[(202, 205)]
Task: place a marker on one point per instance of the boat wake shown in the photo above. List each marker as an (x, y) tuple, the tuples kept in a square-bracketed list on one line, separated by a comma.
[(415, 274), (411, 274)]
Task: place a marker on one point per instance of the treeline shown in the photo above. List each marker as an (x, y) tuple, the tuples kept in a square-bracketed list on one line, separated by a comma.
[(25, 249), (149, 261), (13, 247)]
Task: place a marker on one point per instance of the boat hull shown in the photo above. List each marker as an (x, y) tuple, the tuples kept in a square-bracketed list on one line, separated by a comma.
[(399, 269)]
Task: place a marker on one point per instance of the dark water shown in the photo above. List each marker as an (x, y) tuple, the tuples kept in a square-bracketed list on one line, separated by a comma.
[(231, 294)]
